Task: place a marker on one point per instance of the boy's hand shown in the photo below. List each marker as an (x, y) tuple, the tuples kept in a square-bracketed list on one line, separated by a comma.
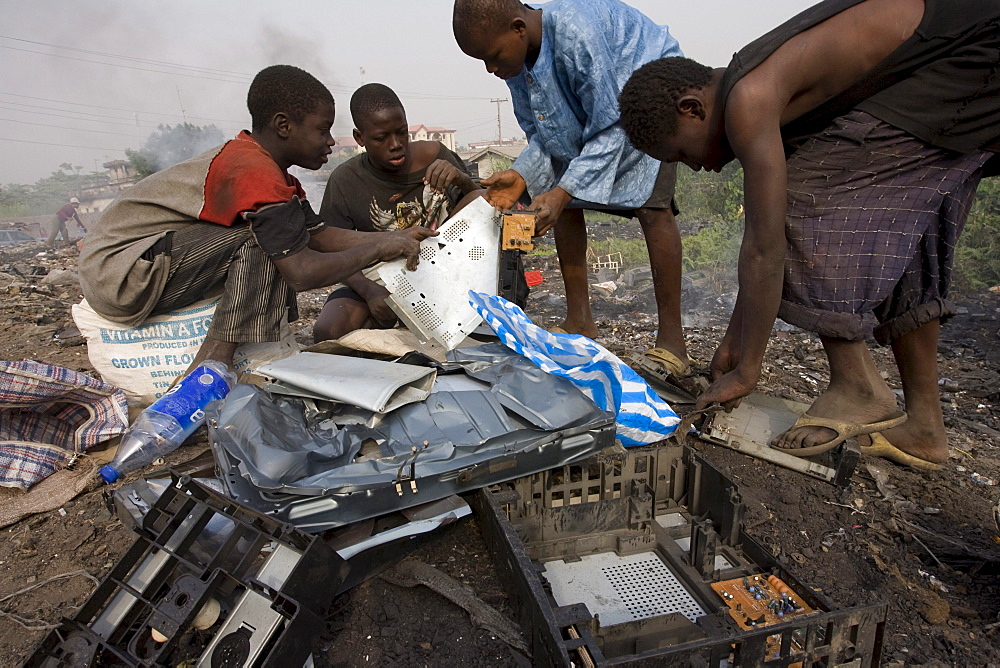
[(728, 390), (377, 306), (441, 175), (404, 242), (503, 189), (549, 206)]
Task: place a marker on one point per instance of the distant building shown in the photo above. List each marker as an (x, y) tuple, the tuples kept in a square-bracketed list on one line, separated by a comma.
[(346, 146), (96, 198), (433, 133), (476, 145), (484, 162)]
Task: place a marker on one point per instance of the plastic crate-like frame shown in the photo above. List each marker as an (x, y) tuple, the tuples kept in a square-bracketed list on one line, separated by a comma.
[(166, 576), (610, 502)]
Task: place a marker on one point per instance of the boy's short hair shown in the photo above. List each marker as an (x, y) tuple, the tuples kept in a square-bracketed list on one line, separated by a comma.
[(487, 16), (287, 89), (372, 98), (648, 101)]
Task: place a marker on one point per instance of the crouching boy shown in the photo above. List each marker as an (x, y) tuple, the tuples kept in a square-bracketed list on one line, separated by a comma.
[(233, 220)]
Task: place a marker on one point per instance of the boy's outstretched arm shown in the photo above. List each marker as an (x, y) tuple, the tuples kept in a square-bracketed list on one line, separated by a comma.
[(309, 268), (755, 135)]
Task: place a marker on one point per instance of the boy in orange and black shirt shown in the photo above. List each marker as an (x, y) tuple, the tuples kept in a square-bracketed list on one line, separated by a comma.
[(233, 219)]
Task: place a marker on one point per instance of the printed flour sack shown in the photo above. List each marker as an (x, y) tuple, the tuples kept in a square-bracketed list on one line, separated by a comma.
[(143, 361)]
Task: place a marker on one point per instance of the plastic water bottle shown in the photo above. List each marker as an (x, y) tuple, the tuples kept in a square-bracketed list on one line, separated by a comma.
[(163, 426)]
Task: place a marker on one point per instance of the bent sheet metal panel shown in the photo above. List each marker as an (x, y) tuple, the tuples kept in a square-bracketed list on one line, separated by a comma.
[(454, 441), (386, 386), (465, 256)]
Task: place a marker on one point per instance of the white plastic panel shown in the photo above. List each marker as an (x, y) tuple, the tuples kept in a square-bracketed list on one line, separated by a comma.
[(432, 301)]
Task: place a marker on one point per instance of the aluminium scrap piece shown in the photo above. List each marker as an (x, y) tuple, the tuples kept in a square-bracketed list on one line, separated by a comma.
[(320, 465)]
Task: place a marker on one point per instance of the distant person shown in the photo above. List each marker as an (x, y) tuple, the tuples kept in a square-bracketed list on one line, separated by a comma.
[(887, 111), (565, 63), (395, 184), (234, 220), (67, 212)]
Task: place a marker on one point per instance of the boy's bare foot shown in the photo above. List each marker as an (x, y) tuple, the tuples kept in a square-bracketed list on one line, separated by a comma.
[(857, 394), (587, 329), (843, 406), (915, 438)]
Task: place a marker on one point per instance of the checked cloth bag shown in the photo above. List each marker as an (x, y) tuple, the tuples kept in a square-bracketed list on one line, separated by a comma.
[(48, 416)]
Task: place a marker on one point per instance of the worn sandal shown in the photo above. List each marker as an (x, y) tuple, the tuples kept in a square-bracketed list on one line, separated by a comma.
[(881, 447), (666, 362), (845, 430)]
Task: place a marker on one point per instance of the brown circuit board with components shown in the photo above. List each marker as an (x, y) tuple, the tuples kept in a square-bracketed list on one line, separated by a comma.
[(756, 601), (518, 228)]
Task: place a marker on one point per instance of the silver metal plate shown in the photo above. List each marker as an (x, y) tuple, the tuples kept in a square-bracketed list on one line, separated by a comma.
[(621, 589)]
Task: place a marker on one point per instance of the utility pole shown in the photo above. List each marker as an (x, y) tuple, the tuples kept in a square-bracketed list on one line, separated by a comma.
[(181, 102), (498, 100)]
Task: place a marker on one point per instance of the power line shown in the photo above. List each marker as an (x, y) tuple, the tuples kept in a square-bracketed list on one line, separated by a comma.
[(65, 127), (97, 106), (127, 67), (45, 143), (116, 120), (241, 77), (132, 58)]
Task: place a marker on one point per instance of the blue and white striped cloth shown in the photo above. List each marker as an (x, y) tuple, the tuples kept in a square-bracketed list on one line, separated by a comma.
[(643, 417)]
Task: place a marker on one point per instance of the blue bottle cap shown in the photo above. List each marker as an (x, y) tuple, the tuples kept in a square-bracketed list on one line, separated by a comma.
[(108, 474)]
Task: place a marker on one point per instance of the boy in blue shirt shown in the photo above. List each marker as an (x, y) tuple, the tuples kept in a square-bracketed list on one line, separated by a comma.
[(565, 64)]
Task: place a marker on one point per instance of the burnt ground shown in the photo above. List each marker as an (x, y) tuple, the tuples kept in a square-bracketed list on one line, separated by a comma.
[(925, 543)]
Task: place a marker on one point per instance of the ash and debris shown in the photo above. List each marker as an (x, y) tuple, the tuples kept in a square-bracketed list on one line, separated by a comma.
[(925, 543)]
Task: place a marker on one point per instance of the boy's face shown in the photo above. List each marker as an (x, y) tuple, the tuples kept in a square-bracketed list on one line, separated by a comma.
[(309, 143), (697, 143), (503, 53), (386, 137)]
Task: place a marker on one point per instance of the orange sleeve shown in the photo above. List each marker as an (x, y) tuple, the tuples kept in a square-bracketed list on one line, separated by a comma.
[(243, 177)]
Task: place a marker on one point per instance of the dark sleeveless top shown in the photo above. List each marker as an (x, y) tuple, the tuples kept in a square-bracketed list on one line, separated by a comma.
[(942, 85)]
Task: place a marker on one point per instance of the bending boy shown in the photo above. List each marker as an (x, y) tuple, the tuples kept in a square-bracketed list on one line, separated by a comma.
[(565, 63), (393, 185), (233, 219), (887, 111)]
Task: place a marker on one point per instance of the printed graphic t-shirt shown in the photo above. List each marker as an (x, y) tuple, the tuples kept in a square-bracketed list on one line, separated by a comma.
[(360, 197)]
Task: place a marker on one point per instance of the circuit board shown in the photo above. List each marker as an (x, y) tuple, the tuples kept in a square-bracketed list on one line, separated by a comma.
[(518, 228), (756, 601)]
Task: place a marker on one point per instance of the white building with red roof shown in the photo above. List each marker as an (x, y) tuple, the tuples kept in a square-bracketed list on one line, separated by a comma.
[(433, 133)]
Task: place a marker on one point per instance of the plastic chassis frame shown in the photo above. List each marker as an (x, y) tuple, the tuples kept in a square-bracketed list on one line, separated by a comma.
[(275, 585), (609, 503)]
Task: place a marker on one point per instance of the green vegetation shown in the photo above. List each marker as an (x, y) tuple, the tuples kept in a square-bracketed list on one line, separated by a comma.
[(714, 204), (977, 256), (45, 195), (712, 215), (633, 251)]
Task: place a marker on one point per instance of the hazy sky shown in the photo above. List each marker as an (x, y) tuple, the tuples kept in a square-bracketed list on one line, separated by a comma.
[(81, 81)]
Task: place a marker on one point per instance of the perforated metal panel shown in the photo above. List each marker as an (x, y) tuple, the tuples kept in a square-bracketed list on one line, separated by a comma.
[(433, 300), (621, 589)]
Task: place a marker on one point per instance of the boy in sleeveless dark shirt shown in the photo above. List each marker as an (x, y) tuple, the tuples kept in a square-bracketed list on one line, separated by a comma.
[(863, 128)]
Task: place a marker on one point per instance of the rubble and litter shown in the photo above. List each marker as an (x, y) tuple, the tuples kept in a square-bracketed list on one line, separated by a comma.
[(858, 561)]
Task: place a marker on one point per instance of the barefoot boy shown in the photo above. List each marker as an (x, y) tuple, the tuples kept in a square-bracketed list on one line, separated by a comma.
[(393, 185), (234, 220), (565, 63), (887, 111)]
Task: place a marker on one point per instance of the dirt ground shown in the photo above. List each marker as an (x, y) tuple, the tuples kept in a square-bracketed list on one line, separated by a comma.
[(925, 543)]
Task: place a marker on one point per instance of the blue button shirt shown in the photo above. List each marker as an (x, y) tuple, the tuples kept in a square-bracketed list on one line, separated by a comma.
[(567, 102)]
